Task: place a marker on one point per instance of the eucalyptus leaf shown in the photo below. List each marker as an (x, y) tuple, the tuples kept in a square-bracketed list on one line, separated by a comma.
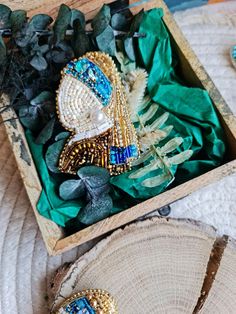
[(43, 48), (63, 53), (96, 211), (119, 22), (59, 56), (81, 42), (61, 24), (129, 48), (3, 51), (5, 13), (41, 98), (94, 176), (101, 20), (46, 132), (40, 22), (53, 154), (71, 189), (18, 19), (77, 15), (62, 135), (106, 41), (30, 117), (39, 62)]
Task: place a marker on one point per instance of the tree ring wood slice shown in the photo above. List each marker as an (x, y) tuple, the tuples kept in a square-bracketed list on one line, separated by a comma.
[(153, 266)]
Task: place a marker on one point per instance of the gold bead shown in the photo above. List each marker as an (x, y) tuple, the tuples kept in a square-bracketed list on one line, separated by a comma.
[(93, 303)]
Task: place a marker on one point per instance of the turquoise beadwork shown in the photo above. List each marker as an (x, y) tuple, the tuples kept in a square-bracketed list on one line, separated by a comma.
[(80, 306), (91, 75)]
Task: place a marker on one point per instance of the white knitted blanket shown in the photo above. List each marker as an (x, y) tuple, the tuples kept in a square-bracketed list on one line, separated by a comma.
[(25, 268)]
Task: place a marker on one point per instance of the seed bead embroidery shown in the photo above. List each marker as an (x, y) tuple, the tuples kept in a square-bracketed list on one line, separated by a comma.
[(92, 105)]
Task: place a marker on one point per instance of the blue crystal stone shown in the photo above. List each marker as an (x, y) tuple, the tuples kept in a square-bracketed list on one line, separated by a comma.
[(80, 306)]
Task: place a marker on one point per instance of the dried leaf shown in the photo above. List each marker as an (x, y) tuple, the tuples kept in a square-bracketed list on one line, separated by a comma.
[(180, 158), (156, 181), (158, 123), (136, 82), (149, 114), (144, 157), (151, 138), (154, 164), (170, 146)]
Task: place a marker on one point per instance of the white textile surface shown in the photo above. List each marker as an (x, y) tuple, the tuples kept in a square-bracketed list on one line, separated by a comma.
[(25, 268)]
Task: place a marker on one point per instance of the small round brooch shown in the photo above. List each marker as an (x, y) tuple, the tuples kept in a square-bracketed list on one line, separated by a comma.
[(92, 105), (94, 301)]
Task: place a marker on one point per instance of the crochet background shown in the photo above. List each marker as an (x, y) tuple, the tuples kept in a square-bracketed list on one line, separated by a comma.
[(25, 267)]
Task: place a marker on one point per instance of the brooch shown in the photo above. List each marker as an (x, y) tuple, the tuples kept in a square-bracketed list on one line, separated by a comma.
[(89, 302), (92, 105)]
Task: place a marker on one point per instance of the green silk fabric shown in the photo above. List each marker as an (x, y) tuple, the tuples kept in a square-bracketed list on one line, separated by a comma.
[(191, 113)]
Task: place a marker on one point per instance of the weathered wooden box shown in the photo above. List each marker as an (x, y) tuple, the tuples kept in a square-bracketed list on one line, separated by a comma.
[(191, 70)]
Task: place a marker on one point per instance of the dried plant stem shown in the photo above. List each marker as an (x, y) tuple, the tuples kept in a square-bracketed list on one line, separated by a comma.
[(153, 148)]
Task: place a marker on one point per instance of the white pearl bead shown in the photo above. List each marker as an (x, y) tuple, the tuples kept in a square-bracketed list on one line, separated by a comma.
[(97, 116)]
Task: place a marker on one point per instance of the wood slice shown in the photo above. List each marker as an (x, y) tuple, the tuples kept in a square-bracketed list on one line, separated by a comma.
[(153, 266)]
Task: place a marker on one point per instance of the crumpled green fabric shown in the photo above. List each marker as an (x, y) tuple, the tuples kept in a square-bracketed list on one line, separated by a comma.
[(50, 205), (191, 112)]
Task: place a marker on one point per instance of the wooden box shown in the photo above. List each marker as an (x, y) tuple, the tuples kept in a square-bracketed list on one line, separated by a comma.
[(192, 72)]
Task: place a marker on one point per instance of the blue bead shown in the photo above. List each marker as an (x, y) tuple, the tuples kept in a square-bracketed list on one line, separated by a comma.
[(70, 65), (79, 306)]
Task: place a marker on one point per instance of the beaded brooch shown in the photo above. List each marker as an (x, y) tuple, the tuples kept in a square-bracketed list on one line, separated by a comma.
[(93, 301), (92, 105)]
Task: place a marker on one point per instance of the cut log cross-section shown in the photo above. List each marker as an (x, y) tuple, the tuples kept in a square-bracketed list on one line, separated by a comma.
[(158, 266)]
